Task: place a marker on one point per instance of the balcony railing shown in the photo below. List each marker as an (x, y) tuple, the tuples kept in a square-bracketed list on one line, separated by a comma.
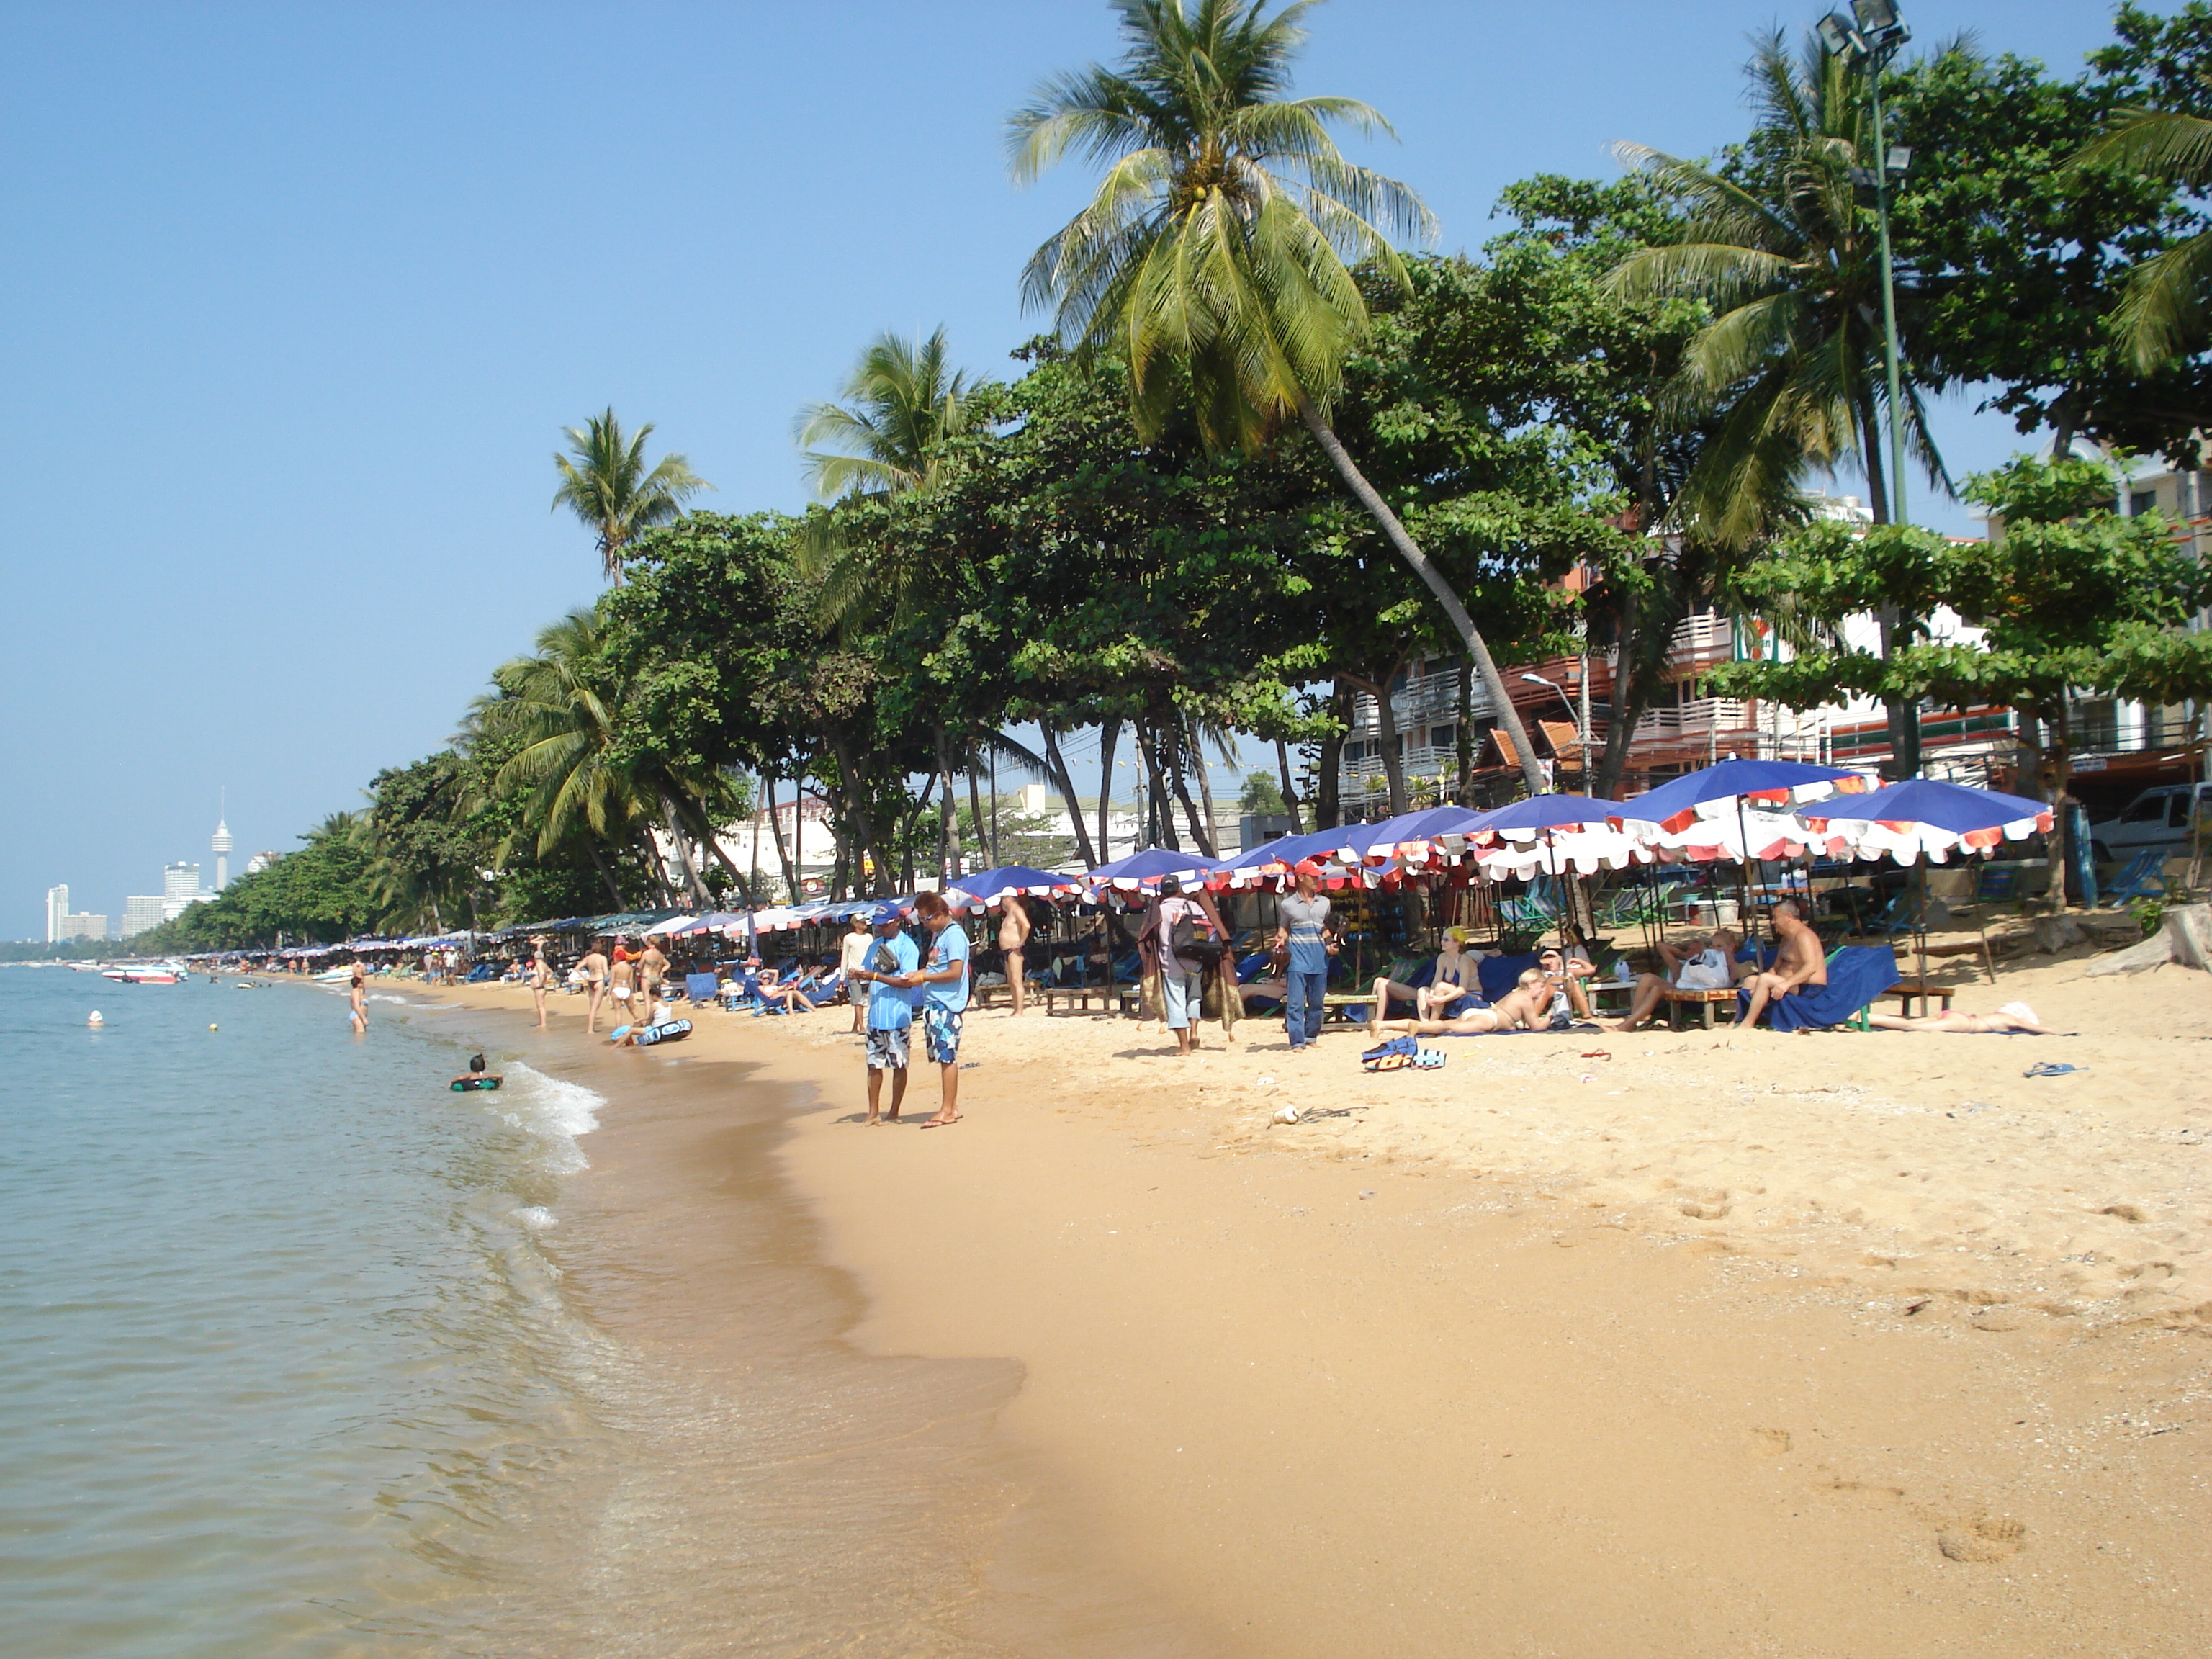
[(1698, 717), (1433, 700)]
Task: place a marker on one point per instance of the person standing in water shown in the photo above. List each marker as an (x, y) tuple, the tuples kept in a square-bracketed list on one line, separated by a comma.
[(1014, 929), (541, 976), (593, 968), (357, 996)]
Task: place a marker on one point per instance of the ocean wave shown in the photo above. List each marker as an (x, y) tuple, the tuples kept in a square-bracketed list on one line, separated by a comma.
[(537, 1217), (555, 1111)]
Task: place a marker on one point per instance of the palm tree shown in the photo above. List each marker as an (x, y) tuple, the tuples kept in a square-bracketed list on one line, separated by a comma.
[(903, 403), (2163, 313), (604, 481), (1792, 360), (1215, 256)]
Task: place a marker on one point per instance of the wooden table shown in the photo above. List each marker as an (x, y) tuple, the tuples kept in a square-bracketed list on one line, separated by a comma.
[(1906, 989), (1113, 999), (1673, 999)]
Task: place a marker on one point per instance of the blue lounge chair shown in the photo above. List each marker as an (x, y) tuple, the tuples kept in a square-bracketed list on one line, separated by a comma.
[(701, 988), (2144, 877), (1857, 974)]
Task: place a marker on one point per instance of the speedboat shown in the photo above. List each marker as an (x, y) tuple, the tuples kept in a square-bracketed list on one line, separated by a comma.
[(160, 974)]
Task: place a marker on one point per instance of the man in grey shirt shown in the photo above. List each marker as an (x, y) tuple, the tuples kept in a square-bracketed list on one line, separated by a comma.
[(1302, 928)]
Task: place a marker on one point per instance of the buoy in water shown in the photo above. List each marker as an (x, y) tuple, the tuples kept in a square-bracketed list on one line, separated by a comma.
[(212, 1026), (95, 1019)]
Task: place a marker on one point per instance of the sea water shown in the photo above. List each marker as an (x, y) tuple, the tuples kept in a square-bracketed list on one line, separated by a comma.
[(278, 1348)]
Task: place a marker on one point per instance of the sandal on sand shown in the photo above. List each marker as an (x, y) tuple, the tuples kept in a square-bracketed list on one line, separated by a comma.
[(1429, 1059), (2049, 1068), (1397, 1045), (1389, 1062)]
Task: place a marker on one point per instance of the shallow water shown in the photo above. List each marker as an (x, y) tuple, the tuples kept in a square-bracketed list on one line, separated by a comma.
[(311, 1356), (281, 1343)]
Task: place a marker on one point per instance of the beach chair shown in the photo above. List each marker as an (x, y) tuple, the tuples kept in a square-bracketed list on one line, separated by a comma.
[(2142, 876), (1857, 975)]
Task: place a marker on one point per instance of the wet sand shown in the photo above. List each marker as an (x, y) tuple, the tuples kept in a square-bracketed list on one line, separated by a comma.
[(1440, 1369)]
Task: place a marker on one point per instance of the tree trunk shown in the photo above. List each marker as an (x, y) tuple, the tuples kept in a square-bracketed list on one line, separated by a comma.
[(1410, 551), (1620, 728), (713, 845), (948, 810), (1066, 788), (2058, 764), (599, 862), (776, 829), (1290, 794), (1175, 742), (1109, 739), (1386, 726), (1465, 728), (682, 840), (1159, 817), (1205, 787), (1329, 806), (975, 811), (992, 756)]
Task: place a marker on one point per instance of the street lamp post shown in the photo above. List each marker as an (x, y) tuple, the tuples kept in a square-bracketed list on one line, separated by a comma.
[(1873, 34), (1581, 728)]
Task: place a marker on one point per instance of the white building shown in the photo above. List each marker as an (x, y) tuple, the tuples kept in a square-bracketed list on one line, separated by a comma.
[(261, 861), (83, 925), (57, 907), (220, 845), (141, 913), (180, 890)]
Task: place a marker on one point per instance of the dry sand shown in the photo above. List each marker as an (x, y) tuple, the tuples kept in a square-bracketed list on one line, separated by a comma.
[(1803, 1345)]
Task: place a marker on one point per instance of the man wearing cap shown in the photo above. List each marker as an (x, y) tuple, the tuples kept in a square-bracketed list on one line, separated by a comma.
[(1302, 930), (892, 959)]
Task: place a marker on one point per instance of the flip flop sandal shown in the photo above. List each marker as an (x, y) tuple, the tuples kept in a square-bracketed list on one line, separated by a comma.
[(1389, 1062), (2050, 1069), (1430, 1060)]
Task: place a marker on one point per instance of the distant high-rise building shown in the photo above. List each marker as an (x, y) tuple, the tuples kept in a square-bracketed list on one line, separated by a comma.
[(220, 846), (141, 912), (180, 890), (57, 907), (76, 925), (261, 861)]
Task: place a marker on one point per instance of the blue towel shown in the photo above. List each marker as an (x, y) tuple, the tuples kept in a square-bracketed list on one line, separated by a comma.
[(701, 988), (1857, 975)]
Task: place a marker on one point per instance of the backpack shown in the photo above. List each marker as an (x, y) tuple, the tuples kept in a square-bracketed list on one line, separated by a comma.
[(1188, 945)]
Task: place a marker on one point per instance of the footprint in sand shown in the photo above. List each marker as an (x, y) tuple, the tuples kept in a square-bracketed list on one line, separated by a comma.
[(1770, 1442), (1982, 1541)]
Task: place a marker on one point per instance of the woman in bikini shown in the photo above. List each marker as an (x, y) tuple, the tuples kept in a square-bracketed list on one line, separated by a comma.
[(2013, 1018), (541, 978)]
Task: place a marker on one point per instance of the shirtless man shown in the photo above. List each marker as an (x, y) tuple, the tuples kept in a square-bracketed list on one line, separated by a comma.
[(1699, 964), (1798, 960), (1014, 928), (2013, 1017), (593, 968)]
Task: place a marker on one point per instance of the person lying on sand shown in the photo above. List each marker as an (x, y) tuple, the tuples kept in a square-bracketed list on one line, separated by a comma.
[(1799, 960), (1526, 1007), (2013, 1017), (1446, 996), (1697, 964)]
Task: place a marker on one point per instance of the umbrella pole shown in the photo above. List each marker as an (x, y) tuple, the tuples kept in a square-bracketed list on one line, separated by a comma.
[(1920, 934)]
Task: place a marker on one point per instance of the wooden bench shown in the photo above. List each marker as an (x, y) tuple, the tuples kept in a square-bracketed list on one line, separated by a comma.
[(1906, 989), (1673, 999), (1112, 999)]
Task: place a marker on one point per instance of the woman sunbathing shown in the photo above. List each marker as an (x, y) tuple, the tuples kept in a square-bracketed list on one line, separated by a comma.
[(2013, 1017), (1526, 1007)]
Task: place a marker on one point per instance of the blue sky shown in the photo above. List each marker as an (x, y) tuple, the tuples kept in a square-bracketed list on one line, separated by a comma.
[(298, 298)]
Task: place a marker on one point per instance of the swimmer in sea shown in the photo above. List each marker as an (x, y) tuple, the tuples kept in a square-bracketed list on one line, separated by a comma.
[(475, 1071)]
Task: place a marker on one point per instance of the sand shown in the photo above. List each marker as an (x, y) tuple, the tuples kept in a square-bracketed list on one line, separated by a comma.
[(1652, 1345)]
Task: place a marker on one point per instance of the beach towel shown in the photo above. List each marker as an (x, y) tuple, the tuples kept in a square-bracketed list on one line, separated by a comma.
[(701, 988), (1857, 974), (1499, 974)]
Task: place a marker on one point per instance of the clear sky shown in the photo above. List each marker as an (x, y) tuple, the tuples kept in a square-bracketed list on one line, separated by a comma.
[(294, 300)]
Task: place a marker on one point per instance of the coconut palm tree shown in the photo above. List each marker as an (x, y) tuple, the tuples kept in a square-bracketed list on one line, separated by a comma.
[(2163, 313), (604, 482), (1215, 257), (1788, 261)]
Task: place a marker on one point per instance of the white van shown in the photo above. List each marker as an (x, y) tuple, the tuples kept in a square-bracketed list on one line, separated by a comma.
[(2157, 817)]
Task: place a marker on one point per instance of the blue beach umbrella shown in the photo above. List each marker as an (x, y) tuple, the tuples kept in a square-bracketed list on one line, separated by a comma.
[(1151, 865), (1546, 812), (1674, 805), (1379, 840), (1288, 851), (988, 886), (1928, 816)]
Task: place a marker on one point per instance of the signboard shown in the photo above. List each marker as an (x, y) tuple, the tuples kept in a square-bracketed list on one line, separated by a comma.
[(2087, 764)]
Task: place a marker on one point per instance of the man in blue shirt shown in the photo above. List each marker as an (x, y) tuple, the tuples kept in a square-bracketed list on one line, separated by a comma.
[(943, 980), (890, 961)]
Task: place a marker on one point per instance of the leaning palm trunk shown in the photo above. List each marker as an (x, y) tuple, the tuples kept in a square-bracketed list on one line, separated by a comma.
[(1109, 739), (1065, 784), (1175, 748), (948, 810), (1205, 790), (1290, 790), (680, 839), (1493, 682)]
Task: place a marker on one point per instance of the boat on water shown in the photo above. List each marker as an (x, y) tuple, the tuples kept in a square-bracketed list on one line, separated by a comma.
[(159, 972)]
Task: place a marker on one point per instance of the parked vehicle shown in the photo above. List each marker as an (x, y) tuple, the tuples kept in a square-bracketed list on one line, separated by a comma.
[(2155, 819)]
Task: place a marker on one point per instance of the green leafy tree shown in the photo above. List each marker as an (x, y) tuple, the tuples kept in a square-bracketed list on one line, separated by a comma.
[(605, 482), (1262, 793), (2072, 598), (1215, 258)]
